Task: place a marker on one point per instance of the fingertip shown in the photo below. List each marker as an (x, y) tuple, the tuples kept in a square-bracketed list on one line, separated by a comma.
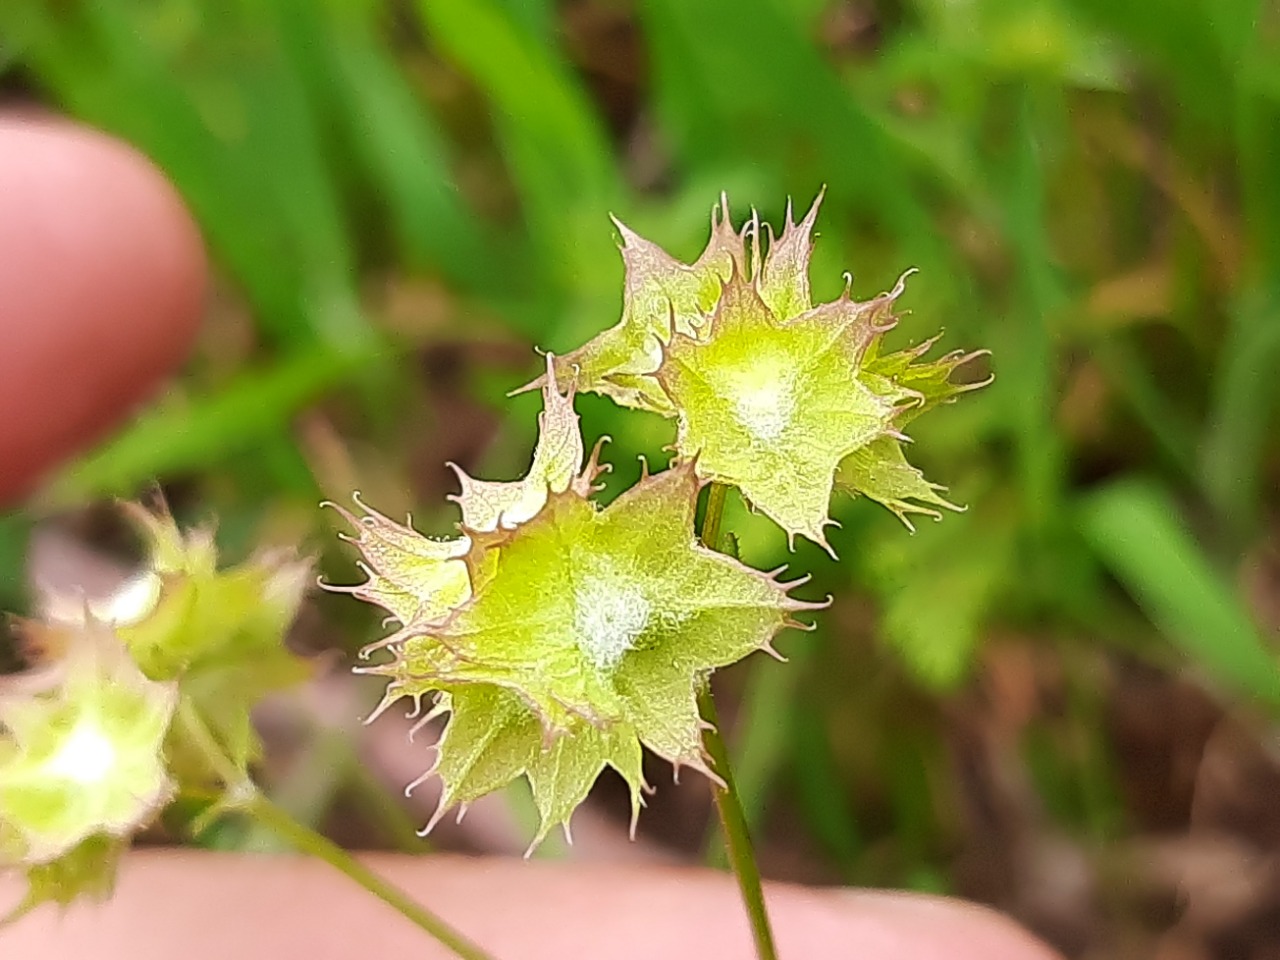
[(536, 909), (102, 285), (956, 929)]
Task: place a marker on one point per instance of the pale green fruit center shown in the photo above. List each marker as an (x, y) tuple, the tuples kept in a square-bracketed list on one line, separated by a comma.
[(87, 757)]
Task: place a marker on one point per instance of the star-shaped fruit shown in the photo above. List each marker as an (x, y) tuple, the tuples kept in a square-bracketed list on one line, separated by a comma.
[(775, 395), (83, 757), (588, 632), (417, 579), (559, 636), (218, 631), (772, 405)]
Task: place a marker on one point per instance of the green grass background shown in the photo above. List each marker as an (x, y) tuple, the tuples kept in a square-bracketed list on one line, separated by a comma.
[(403, 198)]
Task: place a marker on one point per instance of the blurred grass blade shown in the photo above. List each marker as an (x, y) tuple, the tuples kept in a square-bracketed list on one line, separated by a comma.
[(555, 145), (1134, 529), (200, 434), (1188, 41), (1127, 374), (537, 18), (1027, 373), (821, 796), (761, 86), (1245, 395), (394, 142)]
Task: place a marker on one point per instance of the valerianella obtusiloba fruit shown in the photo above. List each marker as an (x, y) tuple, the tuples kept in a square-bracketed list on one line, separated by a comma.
[(93, 744), (218, 631), (82, 764), (783, 399), (560, 636)]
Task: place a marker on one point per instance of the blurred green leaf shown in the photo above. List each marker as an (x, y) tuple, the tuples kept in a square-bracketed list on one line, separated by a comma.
[(939, 588), (198, 434), (553, 140), (1135, 530), (359, 89)]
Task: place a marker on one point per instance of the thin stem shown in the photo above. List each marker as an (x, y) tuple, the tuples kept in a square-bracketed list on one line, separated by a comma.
[(305, 840), (713, 519), (201, 737), (245, 797), (733, 822)]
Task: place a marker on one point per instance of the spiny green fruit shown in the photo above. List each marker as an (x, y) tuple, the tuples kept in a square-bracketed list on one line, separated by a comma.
[(88, 753), (600, 615), (583, 633), (417, 579), (84, 755), (661, 297), (772, 407), (493, 737), (219, 632), (601, 626), (775, 395), (880, 470), (203, 614)]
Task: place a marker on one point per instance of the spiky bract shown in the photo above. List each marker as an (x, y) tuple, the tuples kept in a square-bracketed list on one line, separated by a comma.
[(84, 755), (584, 632), (775, 395)]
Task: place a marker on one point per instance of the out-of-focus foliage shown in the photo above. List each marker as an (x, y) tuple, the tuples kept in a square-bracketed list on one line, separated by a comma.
[(143, 695), (1087, 188)]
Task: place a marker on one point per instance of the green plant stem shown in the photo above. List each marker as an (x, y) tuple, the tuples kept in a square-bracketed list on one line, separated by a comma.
[(733, 822), (713, 519), (246, 798), (305, 840)]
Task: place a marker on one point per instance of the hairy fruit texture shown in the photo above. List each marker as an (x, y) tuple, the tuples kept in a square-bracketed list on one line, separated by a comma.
[(89, 752), (588, 634), (606, 616), (772, 406), (880, 471), (84, 756), (583, 633), (218, 632), (419, 580), (488, 505), (662, 296), (493, 737), (86, 871), (782, 398)]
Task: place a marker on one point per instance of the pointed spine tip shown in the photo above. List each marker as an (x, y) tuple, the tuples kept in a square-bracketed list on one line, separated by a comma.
[(772, 651), (811, 217), (413, 785), (437, 816)]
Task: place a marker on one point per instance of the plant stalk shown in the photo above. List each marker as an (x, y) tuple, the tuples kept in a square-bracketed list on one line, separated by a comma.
[(305, 840), (245, 797), (733, 822)]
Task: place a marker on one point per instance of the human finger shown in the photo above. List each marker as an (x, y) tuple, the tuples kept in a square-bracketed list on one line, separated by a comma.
[(102, 277), (204, 906)]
